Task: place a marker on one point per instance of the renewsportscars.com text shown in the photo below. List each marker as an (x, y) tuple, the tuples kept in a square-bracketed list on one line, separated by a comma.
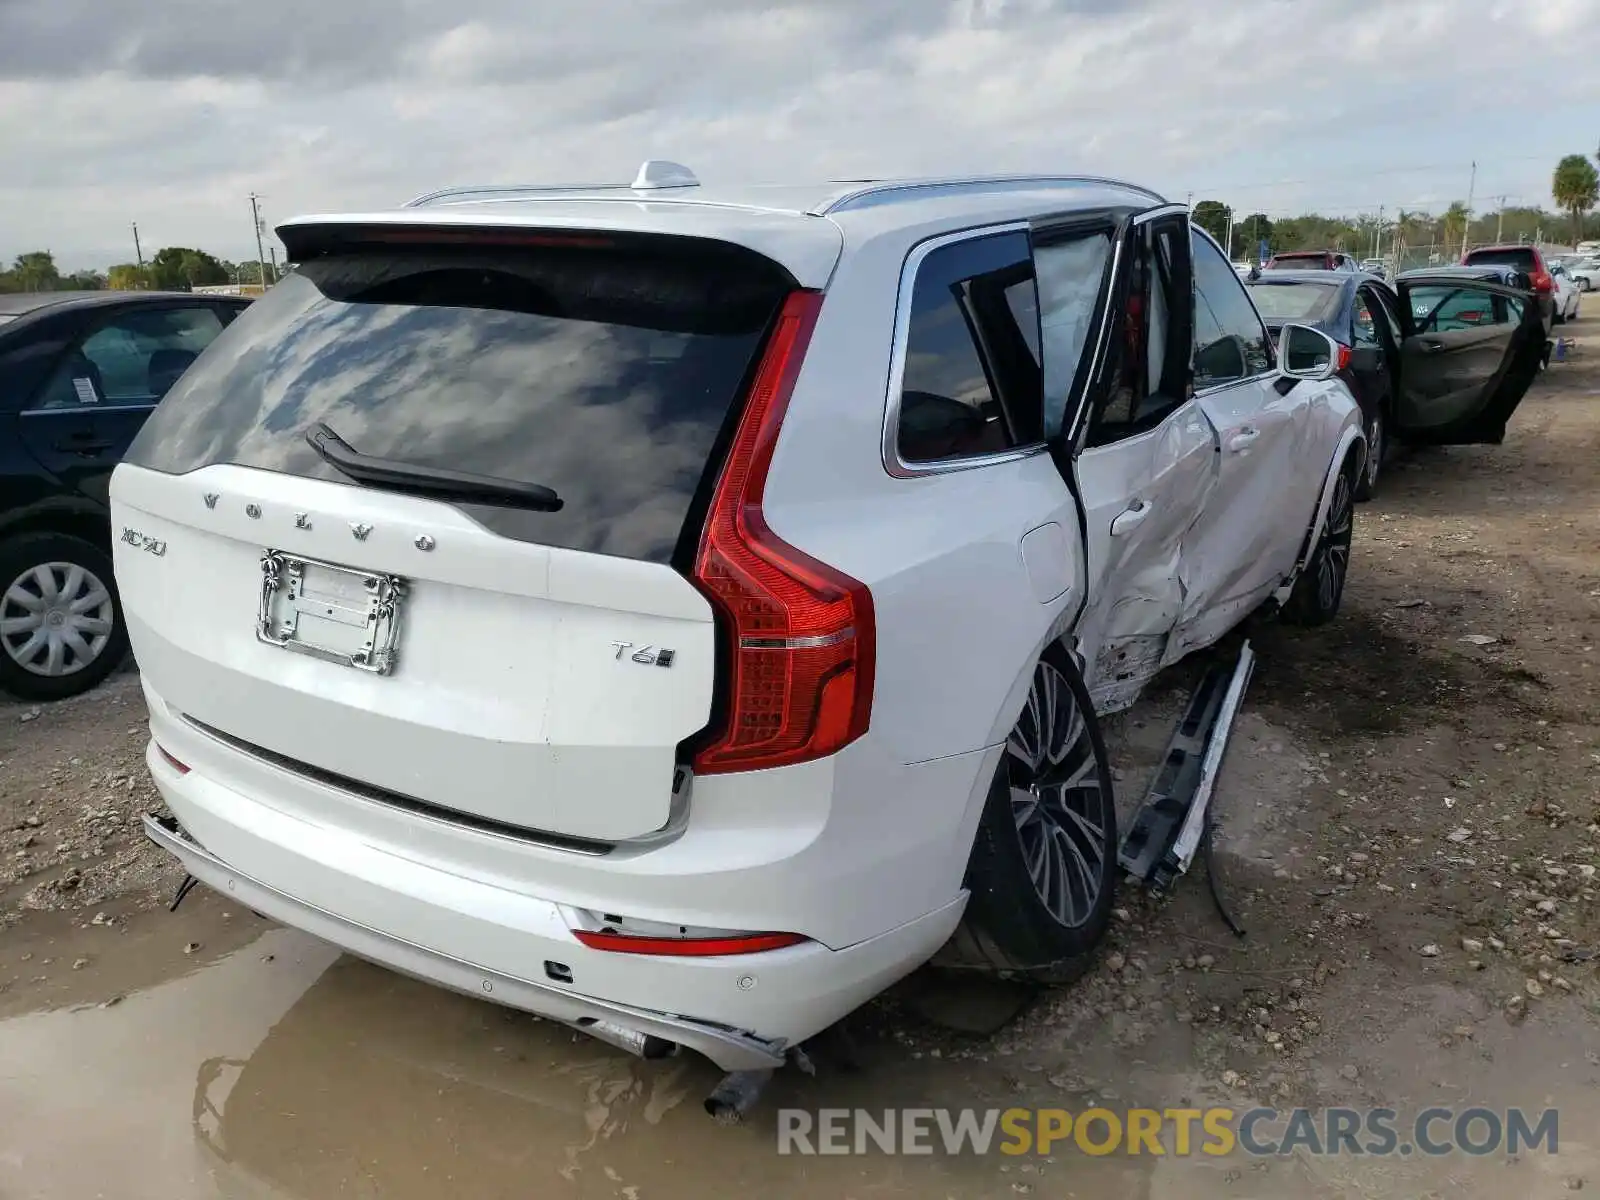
[(1177, 1132)]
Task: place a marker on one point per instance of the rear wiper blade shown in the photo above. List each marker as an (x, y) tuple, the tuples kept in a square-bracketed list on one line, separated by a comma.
[(437, 483)]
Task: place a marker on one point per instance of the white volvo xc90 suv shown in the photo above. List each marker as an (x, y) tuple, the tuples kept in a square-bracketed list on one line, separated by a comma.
[(680, 611)]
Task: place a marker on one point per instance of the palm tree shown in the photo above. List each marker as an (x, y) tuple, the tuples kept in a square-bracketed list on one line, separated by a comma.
[(1453, 225), (1575, 187)]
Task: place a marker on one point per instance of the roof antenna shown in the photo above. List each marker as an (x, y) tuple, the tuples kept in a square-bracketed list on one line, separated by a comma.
[(658, 173)]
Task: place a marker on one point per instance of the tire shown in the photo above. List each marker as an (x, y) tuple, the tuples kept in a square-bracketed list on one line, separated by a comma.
[(1039, 839), (1377, 452), (39, 657), (1320, 589)]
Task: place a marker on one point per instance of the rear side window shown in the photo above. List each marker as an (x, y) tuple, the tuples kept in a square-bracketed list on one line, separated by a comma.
[(606, 373), (970, 386), (131, 359)]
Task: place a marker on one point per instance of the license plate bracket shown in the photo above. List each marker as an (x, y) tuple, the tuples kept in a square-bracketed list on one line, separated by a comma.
[(338, 614)]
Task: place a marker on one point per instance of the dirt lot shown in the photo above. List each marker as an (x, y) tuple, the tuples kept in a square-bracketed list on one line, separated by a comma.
[(1408, 835)]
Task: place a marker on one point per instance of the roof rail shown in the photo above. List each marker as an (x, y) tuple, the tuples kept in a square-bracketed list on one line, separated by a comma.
[(502, 189), (654, 173), (888, 190)]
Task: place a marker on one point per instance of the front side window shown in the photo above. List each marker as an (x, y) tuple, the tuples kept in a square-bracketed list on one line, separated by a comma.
[(133, 358), (1230, 342), (970, 385)]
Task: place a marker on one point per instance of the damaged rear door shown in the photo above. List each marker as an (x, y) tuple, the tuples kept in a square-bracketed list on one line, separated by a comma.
[(1471, 349), (1146, 458)]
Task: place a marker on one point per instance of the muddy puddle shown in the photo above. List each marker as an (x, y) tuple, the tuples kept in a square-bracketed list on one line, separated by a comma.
[(285, 1070)]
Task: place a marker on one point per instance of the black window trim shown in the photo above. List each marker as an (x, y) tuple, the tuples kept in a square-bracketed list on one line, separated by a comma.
[(892, 462), (104, 315), (1266, 336)]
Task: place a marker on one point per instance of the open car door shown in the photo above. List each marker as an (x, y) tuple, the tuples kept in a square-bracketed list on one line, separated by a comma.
[(1471, 349)]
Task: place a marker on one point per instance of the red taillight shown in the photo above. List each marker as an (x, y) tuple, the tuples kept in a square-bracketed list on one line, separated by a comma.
[(1543, 281), (1345, 354), (712, 947), (181, 768), (800, 635)]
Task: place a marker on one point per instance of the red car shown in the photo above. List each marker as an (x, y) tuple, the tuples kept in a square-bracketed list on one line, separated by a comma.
[(1527, 260)]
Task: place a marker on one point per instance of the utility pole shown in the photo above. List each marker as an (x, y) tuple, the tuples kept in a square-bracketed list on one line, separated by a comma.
[(1466, 230), (1500, 225), (1377, 236), (261, 254), (137, 252), (1230, 235)]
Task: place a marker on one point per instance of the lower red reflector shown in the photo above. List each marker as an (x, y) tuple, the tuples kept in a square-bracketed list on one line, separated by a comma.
[(181, 768), (622, 943)]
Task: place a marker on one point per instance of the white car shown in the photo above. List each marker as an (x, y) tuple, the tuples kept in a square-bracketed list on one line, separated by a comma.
[(1585, 273), (680, 611), (1565, 293)]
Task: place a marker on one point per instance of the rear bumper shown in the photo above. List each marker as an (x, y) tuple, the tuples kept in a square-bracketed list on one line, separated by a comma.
[(728, 1048), (397, 902)]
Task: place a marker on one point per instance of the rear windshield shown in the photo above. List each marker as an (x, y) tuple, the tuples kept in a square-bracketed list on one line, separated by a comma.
[(1522, 259), (1296, 301), (604, 373), (1298, 262)]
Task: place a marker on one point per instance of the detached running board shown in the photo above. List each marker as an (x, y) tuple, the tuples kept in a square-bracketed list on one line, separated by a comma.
[(1168, 827)]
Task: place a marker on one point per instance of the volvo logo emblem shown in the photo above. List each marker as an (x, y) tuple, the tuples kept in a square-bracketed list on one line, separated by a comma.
[(211, 499), (359, 531), (424, 542), (302, 521), (253, 511)]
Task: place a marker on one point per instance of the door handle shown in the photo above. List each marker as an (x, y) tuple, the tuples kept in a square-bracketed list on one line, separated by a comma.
[(84, 445), (1432, 347), (1131, 517), (1242, 440)]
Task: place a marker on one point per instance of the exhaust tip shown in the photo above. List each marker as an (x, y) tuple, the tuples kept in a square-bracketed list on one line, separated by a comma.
[(736, 1095)]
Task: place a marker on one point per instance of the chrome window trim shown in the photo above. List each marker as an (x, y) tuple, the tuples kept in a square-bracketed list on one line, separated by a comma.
[(890, 439), (88, 408)]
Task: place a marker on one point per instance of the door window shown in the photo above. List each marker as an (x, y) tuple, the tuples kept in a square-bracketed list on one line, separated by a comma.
[(970, 386), (1147, 360), (1071, 269), (1230, 342), (1366, 325), (131, 359), (1449, 310)]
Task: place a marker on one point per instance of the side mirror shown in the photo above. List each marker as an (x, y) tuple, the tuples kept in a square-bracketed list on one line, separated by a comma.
[(1307, 353)]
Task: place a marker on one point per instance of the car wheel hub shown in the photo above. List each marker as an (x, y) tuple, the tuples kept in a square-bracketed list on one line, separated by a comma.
[(1057, 800), (55, 619)]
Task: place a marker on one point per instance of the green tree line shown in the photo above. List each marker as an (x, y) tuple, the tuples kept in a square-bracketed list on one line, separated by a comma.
[(172, 269), (1574, 186)]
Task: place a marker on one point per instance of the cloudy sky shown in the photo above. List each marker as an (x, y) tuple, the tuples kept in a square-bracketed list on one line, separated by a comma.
[(170, 112)]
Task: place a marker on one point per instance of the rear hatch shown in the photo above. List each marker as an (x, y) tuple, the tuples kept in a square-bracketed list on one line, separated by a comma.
[(420, 518)]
